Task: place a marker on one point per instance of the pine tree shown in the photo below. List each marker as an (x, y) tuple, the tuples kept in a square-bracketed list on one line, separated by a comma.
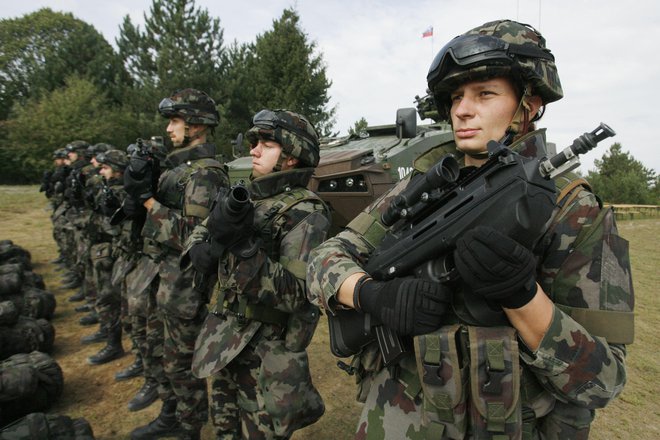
[(181, 46), (280, 70)]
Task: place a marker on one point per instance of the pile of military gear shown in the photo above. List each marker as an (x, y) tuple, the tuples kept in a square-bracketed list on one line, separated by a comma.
[(28, 383), (30, 380), (25, 307), (42, 426)]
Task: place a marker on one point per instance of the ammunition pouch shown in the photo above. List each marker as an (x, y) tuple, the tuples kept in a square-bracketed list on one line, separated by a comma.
[(455, 362)]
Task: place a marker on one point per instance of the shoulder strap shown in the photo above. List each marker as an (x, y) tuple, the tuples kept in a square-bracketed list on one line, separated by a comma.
[(281, 203)]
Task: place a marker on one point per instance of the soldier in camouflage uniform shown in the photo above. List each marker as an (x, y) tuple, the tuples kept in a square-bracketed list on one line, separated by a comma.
[(253, 342), (104, 252), (141, 281), (74, 213), (179, 203), (569, 305), (55, 192)]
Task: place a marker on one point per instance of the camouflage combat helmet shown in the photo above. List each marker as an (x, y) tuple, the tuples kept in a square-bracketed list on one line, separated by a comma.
[(60, 153), (497, 48), (77, 146), (292, 131), (193, 106), (115, 159), (95, 149)]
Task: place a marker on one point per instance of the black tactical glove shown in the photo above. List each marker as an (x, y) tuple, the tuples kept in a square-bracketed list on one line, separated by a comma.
[(204, 257), (109, 203), (496, 267), (231, 225), (131, 206), (139, 185), (410, 306)]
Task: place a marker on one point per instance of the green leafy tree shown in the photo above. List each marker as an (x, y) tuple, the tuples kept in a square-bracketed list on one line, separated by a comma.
[(281, 69), (38, 51), (360, 126), (80, 110), (620, 178)]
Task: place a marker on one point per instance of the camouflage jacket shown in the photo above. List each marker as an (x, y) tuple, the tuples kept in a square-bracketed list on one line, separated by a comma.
[(272, 282), (186, 190), (584, 268)]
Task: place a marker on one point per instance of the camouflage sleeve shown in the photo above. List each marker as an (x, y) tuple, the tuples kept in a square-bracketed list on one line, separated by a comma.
[(281, 284), (343, 255), (331, 263), (171, 227), (587, 268), (198, 235), (576, 366)]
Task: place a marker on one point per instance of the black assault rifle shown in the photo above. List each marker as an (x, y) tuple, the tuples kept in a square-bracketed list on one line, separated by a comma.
[(510, 193)]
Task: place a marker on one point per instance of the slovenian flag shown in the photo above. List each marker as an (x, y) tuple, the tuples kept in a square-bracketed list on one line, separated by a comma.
[(428, 32)]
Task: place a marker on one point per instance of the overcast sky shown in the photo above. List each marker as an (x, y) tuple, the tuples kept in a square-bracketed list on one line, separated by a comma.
[(606, 52)]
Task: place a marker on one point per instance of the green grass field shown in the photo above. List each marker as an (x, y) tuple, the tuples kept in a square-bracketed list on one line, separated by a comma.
[(91, 392)]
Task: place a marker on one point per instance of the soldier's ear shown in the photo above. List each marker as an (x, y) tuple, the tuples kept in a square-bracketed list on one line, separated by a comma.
[(292, 161), (534, 102)]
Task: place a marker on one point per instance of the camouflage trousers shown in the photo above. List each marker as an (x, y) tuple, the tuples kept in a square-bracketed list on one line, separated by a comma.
[(151, 342), (59, 232), (237, 409), (178, 348), (108, 296)]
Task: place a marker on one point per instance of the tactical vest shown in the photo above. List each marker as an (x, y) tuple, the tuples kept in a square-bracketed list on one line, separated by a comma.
[(269, 213), (172, 183)]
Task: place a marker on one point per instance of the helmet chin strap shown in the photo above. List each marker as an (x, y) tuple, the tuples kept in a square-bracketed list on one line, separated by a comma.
[(520, 121), (280, 162), (187, 139)]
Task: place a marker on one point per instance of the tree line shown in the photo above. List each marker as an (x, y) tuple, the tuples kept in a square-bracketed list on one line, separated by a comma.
[(60, 80)]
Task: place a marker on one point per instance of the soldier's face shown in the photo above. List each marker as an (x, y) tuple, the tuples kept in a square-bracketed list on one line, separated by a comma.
[(265, 155), (106, 172), (482, 111), (94, 162), (176, 130), (73, 156)]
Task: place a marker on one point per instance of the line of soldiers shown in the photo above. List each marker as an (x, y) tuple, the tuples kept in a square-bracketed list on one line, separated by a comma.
[(123, 220), (217, 283)]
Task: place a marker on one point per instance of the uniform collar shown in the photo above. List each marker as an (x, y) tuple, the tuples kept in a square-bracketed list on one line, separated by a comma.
[(281, 181), (193, 152)]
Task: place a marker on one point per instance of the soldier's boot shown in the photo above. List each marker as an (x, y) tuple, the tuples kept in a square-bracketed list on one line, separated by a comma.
[(78, 296), (145, 396), (74, 283), (113, 349), (89, 307), (133, 370), (90, 319), (58, 260), (165, 425), (69, 276), (190, 435), (98, 336)]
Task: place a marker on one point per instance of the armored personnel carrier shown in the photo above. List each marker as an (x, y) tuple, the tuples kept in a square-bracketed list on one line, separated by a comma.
[(355, 170)]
